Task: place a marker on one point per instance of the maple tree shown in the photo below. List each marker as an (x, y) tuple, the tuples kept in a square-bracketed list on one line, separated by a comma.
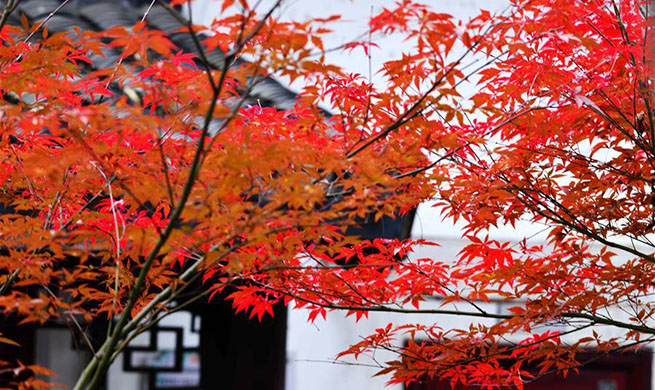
[(126, 186)]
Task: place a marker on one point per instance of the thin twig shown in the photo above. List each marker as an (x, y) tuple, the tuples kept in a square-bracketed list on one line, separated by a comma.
[(44, 21), (117, 242)]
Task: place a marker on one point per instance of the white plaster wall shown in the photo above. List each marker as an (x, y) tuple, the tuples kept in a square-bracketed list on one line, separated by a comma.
[(353, 24), (56, 350)]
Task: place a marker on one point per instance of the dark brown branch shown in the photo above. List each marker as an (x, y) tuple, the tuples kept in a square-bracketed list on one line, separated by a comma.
[(386, 309)]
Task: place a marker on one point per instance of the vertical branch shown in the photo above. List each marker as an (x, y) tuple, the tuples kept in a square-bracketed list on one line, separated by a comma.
[(649, 57), (164, 164), (94, 372), (118, 243), (9, 8), (370, 80), (649, 60)]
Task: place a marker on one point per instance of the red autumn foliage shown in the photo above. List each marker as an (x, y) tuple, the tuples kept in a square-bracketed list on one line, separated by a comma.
[(123, 186)]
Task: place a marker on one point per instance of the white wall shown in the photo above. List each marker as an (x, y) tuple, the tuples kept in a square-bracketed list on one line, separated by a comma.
[(56, 350)]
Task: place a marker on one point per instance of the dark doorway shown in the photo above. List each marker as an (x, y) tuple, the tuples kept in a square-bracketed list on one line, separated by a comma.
[(629, 371)]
